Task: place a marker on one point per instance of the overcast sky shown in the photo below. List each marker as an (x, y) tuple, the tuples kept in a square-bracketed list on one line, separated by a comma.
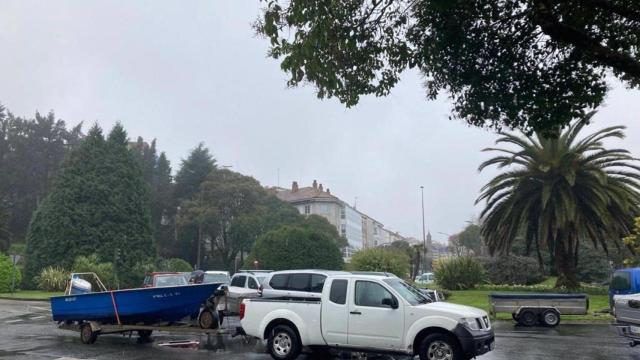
[(190, 71)]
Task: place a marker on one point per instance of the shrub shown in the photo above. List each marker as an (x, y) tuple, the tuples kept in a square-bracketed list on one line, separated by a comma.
[(459, 273), (512, 269), (6, 274), (52, 278), (376, 259), (295, 247), (175, 264), (91, 263)]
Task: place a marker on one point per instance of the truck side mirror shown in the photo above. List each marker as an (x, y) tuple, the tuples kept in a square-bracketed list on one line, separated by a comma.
[(390, 302)]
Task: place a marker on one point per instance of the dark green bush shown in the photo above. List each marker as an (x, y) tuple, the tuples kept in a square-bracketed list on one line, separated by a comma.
[(512, 270), (6, 274), (296, 247), (377, 259), (175, 265), (459, 273)]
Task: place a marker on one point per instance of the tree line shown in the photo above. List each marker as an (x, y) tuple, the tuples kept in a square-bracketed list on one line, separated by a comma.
[(67, 195)]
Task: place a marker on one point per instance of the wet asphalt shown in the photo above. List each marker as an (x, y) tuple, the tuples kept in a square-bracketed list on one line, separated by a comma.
[(26, 332)]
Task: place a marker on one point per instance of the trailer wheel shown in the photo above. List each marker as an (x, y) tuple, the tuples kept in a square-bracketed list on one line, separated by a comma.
[(515, 317), (207, 320), (87, 335), (145, 334), (550, 318), (527, 318), (283, 343)]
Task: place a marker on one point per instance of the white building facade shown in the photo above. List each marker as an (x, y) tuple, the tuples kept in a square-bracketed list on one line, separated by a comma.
[(360, 230)]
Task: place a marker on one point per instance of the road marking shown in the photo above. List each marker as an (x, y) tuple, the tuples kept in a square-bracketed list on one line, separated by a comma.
[(12, 321), (39, 308), (37, 317), (70, 358)]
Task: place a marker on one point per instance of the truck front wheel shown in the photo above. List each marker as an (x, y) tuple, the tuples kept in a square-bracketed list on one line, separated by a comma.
[(283, 343), (440, 347)]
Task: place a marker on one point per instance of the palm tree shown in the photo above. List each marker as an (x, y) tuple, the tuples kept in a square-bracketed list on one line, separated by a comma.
[(558, 191)]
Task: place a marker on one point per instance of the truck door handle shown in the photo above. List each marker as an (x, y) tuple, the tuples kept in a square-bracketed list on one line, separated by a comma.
[(355, 313)]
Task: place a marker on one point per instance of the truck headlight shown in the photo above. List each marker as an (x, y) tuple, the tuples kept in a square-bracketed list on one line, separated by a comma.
[(471, 323)]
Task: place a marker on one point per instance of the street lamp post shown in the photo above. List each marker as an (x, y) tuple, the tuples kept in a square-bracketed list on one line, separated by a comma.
[(424, 238)]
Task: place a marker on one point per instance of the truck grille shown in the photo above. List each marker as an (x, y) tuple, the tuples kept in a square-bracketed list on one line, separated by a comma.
[(486, 323)]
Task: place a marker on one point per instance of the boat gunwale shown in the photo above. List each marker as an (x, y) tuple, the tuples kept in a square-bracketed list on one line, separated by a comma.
[(134, 289)]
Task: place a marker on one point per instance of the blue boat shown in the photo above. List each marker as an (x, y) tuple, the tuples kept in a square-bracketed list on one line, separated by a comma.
[(132, 306)]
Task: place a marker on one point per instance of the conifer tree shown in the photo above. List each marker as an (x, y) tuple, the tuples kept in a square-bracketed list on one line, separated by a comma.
[(99, 204)]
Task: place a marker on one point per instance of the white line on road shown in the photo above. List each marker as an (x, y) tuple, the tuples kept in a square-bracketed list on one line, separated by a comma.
[(13, 321), (37, 317), (40, 308)]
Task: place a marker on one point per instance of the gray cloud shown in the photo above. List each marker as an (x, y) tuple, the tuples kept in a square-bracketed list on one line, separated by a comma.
[(185, 72)]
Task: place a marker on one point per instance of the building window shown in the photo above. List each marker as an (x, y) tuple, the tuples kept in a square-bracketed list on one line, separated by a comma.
[(307, 209), (343, 230), (343, 213), (375, 230)]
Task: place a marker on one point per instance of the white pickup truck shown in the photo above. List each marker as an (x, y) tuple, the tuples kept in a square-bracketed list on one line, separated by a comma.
[(368, 313)]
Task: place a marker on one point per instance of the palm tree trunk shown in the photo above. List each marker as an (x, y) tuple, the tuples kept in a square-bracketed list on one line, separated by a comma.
[(565, 264), (540, 259)]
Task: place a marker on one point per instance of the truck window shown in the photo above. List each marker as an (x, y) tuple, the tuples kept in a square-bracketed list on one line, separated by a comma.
[(371, 294), (252, 284), (279, 282), (338, 294), (317, 283), (299, 282), (238, 281), (621, 280)]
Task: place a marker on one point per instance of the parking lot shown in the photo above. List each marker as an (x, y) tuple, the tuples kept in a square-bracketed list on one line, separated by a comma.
[(27, 333)]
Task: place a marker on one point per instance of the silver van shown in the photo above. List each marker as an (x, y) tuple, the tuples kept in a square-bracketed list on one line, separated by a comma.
[(296, 283)]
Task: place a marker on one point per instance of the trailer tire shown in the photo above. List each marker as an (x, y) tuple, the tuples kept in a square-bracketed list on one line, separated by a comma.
[(440, 346), (283, 343), (527, 318), (145, 334), (87, 335), (550, 318), (208, 320)]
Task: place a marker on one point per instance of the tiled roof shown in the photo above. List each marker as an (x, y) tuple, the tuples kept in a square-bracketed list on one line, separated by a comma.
[(305, 193)]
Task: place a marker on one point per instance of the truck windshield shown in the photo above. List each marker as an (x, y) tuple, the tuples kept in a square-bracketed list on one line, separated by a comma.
[(216, 278), (409, 293)]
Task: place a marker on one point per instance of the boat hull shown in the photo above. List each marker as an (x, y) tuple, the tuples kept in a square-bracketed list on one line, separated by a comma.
[(145, 305)]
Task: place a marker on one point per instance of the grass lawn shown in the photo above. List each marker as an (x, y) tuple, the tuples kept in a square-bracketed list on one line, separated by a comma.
[(480, 299), (30, 294)]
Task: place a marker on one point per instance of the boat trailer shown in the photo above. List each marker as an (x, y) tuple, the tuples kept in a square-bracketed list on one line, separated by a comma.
[(90, 330)]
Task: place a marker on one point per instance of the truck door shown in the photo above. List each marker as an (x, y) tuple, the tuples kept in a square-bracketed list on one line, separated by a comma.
[(335, 313), (373, 320)]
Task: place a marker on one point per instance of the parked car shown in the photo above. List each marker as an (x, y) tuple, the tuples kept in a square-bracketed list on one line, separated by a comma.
[(425, 279), (216, 277), (161, 279), (368, 313), (295, 283), (624, 282), (244, 285)]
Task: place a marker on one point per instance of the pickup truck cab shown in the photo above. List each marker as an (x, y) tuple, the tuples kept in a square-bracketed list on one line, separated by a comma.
[(368, 313)]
